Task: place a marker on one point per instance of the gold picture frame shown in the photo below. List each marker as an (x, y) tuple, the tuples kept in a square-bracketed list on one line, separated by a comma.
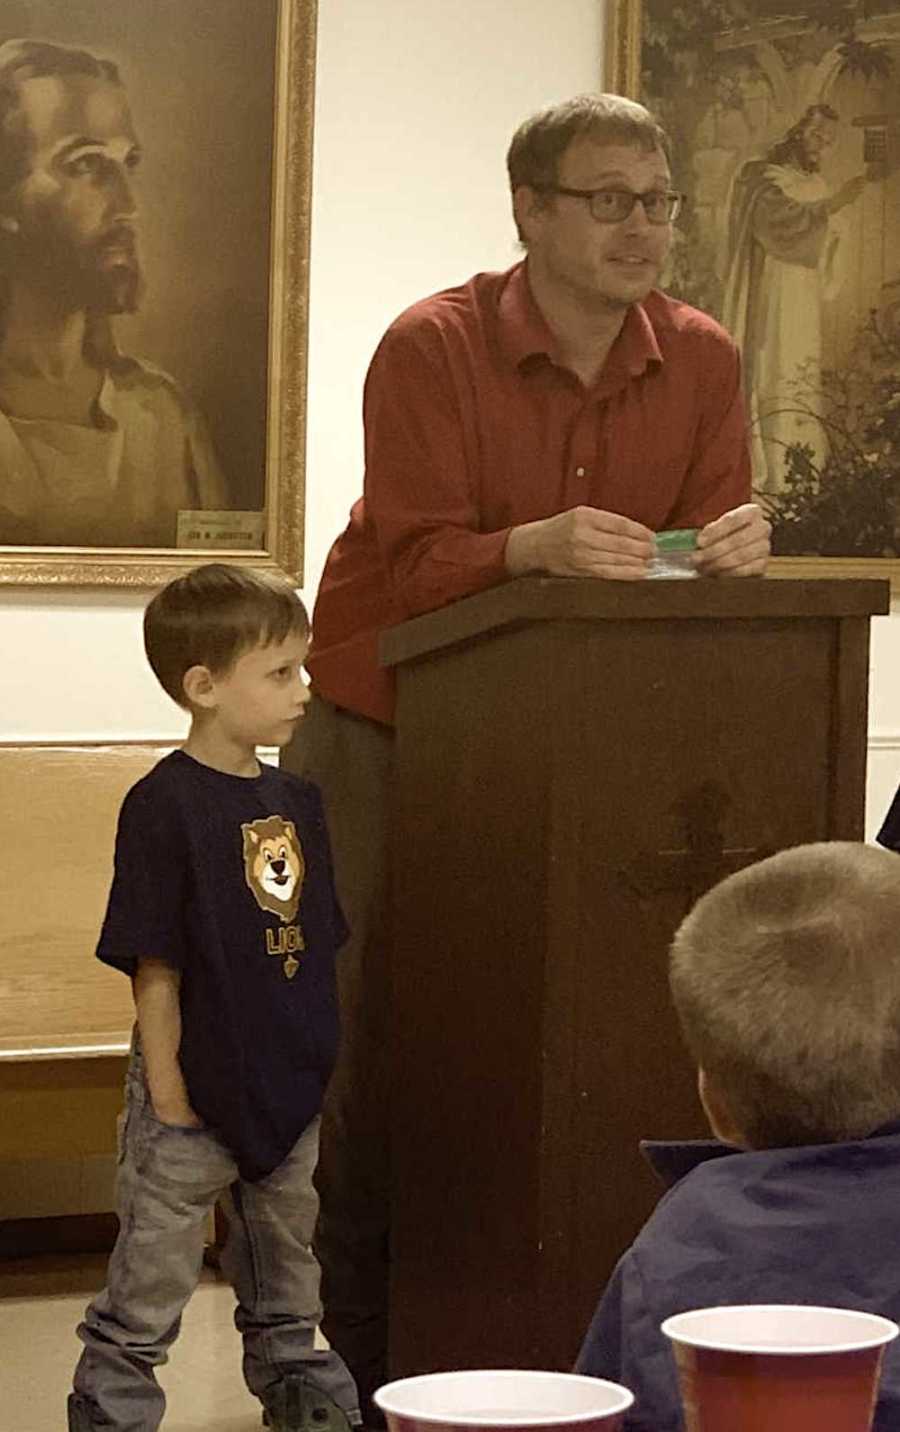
[(636, 35), (281, 166)]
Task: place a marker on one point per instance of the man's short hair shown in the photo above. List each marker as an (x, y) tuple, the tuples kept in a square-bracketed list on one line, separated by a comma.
[(22, 60), (786, 979), (538, 145), (211, 616)]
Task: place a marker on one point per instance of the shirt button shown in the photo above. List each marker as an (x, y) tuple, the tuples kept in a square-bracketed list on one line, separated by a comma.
[(579, 472)]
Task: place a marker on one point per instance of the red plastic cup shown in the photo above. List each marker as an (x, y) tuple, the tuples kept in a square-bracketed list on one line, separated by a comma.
[(778, 1368), (496, 1401)]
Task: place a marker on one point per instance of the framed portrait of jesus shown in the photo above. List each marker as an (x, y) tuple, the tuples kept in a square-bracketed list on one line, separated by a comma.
[(155, 160)]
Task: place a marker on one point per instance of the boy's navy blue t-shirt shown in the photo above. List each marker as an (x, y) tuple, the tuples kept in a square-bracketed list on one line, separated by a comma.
[(229, 879)]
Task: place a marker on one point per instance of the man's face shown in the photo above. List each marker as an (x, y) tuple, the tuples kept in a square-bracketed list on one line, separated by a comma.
[(602, 265), (818, 136), (74, 212)]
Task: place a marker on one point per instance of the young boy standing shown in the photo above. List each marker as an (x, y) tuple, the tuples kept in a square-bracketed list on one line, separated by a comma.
[(223, 912), (786, 979)]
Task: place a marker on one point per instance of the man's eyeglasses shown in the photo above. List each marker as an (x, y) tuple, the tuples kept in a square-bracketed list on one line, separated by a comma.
[(611, 206)]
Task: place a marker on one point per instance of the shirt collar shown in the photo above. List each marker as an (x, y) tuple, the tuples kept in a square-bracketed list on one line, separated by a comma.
[(673, 1160), (104, 414), (525, 333), (116, 400), (101, 347), (637, 344)]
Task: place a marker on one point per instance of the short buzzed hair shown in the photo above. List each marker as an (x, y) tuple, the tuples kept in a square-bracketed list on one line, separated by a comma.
[(540, 142), (211, 616), (786, 979)]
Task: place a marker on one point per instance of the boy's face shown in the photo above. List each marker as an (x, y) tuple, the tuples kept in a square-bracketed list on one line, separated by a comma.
[(259, 700)]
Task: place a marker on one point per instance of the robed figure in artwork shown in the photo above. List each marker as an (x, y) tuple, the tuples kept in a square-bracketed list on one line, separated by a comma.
[(783, 247)]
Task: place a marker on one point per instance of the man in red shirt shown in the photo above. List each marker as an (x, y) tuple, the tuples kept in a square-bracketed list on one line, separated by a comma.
[(550, 419)]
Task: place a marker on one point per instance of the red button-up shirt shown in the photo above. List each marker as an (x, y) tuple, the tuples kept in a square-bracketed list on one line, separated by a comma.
[(473, 427)]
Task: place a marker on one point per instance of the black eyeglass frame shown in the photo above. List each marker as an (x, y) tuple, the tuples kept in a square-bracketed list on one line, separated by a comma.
[(674, 201)]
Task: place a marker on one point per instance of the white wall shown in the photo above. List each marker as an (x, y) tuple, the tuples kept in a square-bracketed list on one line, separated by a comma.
[(416, 104), (416, 101)]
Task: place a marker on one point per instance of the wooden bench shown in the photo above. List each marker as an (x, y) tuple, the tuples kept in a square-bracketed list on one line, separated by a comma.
[(65, 1019), (58, 810)]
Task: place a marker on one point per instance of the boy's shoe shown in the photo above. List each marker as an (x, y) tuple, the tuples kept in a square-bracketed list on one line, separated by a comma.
[(295, 1405)]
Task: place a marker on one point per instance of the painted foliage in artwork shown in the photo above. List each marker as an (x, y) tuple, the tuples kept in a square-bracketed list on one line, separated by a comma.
[(786, 125)]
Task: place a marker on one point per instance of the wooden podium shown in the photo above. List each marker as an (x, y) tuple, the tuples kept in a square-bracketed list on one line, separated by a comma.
[(576, 762)]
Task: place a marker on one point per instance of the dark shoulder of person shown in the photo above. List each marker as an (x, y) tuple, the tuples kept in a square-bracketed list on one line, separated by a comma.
[(889, 834), (149, 802)]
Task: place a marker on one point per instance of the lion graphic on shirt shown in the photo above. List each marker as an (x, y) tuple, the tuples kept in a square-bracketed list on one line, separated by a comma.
[(273, 865)]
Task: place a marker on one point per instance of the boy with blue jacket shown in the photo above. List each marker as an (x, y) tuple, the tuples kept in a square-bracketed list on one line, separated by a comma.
[(786, 980)]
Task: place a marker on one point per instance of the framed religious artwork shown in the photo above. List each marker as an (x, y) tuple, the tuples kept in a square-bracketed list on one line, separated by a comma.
[(155, 164), (785, 126)]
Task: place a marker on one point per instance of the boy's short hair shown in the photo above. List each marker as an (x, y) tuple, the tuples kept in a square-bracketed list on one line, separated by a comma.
[(786, 979), (211, 616)]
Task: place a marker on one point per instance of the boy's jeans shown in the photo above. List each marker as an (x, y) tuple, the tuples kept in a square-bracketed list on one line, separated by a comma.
[(169, 1180)]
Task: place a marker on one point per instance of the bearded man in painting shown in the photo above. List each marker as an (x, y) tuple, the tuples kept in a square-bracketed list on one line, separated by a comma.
[(96, 448)]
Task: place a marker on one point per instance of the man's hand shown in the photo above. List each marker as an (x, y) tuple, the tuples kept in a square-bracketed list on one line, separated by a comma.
[(735, 545), (583, 542)]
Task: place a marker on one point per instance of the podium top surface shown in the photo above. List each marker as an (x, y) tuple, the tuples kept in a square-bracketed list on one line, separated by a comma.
[(538, 599)]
